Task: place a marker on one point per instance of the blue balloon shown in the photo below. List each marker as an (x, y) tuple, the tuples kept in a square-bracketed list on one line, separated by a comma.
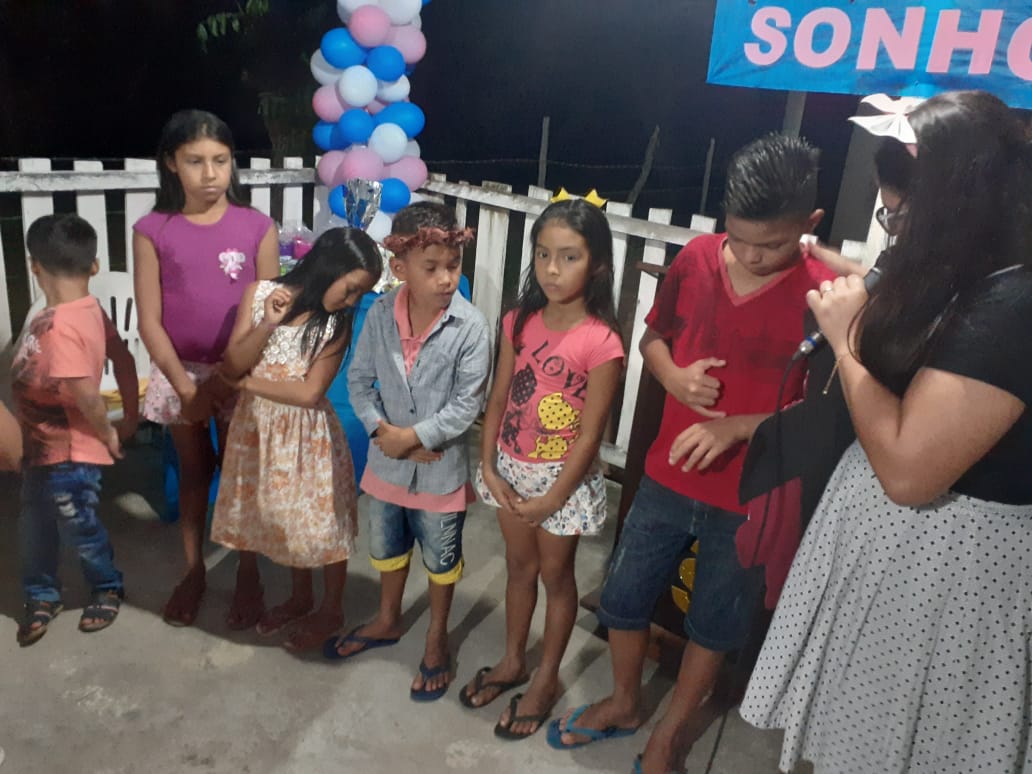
[(394, 195), (406, 115), (386, 63), (341, 50), (354, 126), (322, 135), (336, 201), (426, 2)]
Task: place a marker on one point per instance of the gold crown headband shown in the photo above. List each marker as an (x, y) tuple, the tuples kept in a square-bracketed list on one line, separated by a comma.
[(592, 197)]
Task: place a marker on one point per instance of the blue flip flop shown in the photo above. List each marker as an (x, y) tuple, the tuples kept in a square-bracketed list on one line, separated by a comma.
[(331, 646), (429, 673), (555, 734)]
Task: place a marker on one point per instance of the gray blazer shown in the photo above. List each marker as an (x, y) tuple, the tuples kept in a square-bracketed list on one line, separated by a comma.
[(440, 399)]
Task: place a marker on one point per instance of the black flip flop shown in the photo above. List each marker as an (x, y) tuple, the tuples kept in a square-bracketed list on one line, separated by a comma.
[(480, 684), (331, 648), (506, 732)]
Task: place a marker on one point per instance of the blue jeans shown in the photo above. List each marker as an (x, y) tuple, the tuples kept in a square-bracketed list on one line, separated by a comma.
[(394, 530), (657, 533), (59, 502)]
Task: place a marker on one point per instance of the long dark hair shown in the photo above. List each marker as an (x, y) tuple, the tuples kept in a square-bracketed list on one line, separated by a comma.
[(183, 127), (588, 221), (969, 214), (335, 253)]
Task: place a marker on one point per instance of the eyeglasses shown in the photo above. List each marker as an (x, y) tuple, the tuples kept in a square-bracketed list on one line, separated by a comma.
[(891, 220)]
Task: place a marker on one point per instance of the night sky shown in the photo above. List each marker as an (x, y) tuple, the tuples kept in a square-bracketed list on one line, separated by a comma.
[(97, 78)]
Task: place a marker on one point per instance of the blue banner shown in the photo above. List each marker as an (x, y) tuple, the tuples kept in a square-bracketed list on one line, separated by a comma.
[(915, 49)]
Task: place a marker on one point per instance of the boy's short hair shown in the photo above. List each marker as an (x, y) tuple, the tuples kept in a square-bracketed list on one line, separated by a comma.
[(63, 244), (410, 219), (771, 178)]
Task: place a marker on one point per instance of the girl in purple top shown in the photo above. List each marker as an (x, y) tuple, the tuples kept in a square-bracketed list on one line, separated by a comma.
[(195, 253)]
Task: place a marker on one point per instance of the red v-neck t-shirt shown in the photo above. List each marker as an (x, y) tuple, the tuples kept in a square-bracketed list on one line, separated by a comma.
[(699, 314)]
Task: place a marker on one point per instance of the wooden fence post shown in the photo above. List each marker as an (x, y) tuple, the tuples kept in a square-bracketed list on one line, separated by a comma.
[(33, 206), (489, 271), (137, 204), (92, 207)]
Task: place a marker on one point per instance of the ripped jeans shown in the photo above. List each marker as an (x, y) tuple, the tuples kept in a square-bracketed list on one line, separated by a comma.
[(59, 503)]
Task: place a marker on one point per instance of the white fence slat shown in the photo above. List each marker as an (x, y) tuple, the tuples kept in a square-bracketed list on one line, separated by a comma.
[(292, 195), (489, 271), (321, 212), (91, 207), (619, 249), (527, 249), (655, 253), (137, 204), (703, 223), (6, 323), (261, 195), (33, 206), (461, 210)]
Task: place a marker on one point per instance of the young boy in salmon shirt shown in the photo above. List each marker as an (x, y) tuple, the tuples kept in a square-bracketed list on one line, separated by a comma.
[(417, 384)]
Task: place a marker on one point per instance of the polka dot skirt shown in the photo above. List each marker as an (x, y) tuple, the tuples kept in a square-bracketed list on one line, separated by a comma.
[(902, 639)]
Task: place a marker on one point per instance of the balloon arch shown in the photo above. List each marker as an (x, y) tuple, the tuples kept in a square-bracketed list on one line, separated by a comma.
[(367, 125)]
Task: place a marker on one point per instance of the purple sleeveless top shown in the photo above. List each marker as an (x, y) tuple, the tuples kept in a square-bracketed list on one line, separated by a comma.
[(204, 270)]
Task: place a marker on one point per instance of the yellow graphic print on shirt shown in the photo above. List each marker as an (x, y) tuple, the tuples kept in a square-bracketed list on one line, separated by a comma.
[(555, 414)]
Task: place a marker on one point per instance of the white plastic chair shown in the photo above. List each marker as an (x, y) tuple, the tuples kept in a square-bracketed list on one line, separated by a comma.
[(114, 291)]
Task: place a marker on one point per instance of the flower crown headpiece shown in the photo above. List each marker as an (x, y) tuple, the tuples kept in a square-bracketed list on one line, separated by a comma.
[(399, 244), (892, 119)]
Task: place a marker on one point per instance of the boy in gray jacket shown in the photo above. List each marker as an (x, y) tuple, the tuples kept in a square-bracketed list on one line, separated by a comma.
[(417, 383)]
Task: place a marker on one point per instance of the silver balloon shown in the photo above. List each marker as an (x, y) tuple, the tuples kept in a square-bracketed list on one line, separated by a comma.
[(361, 201)]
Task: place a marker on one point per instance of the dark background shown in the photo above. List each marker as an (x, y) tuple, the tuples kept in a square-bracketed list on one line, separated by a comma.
[(98, 78)]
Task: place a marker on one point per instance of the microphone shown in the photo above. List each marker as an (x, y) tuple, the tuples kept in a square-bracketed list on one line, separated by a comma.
[(815, 339)]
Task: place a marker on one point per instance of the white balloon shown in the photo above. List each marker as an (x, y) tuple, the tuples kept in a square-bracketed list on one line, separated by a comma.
[(413, 149), (393, 91), (380, 226), (417, 22), (388, 141), (352, 5), (357, 86), (401, 11), (322, 70)]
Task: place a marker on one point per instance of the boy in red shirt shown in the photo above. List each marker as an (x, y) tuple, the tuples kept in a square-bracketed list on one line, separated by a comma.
[(67, 435), (725, 323)]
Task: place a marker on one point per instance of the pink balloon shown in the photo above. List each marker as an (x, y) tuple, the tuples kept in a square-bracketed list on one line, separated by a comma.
[(375, 107), (362, 163), (327, 104), (328, 166), (410, 170), (369, 26), (409, 41)]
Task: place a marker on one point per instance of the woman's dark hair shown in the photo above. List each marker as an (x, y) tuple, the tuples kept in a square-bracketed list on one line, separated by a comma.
[(334, 254), (771, 178), (590, 222), (969, 214), (183, 127), (894, 166)]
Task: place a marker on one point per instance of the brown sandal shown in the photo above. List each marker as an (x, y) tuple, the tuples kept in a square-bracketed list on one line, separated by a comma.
[(37, 611)]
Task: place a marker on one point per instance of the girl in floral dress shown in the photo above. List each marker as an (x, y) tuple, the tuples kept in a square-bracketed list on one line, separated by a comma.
[(288, 487)]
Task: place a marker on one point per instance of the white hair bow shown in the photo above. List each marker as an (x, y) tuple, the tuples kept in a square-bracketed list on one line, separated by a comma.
[(892, 121)]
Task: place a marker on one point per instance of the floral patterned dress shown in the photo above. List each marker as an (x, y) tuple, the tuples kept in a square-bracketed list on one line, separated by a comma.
[(288, 486)]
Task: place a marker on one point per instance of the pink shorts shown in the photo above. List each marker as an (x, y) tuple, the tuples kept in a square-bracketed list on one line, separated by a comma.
[(161, 401)]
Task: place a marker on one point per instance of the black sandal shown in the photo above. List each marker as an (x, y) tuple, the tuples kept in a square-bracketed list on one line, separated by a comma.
[(505, 732), (38, 611), (102, 610)]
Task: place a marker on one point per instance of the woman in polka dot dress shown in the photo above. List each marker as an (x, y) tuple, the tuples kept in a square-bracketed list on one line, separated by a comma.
[(901, 641)]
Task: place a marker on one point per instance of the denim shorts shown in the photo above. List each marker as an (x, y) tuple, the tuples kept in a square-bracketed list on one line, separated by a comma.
[(394, 530), (657, 533)]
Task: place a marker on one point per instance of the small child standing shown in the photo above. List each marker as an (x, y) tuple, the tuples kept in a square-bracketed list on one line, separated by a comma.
[(559, 366), (288, 487), (194, 255), (67, 435), (417, 383)]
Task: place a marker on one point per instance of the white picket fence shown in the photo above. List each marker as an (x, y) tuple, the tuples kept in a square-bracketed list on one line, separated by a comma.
[(494, 207)]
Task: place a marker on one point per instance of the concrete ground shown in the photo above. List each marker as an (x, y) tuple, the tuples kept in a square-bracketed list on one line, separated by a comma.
[(143, 696)]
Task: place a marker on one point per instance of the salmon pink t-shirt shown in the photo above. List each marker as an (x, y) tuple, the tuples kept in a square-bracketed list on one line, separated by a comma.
[(66, 341), (549, 383)]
